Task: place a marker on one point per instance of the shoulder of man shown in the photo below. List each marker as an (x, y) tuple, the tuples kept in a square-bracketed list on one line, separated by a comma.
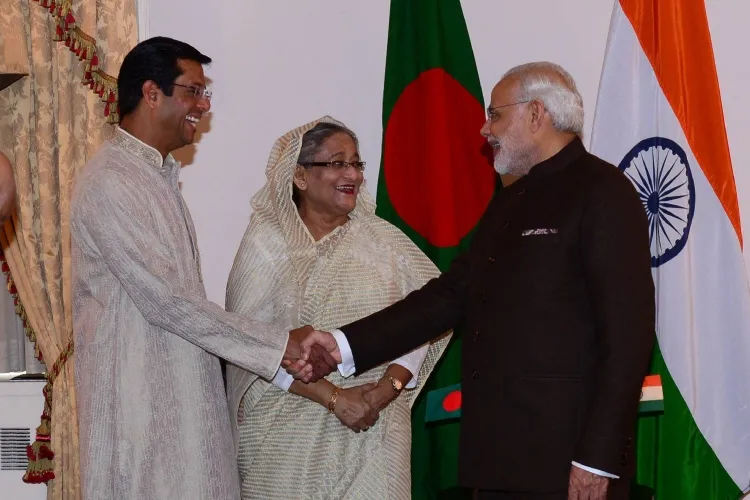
[(106, 178), (602, 175)]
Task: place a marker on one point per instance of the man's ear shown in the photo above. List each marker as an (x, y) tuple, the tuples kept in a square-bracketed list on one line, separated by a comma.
[(152, 94), (536, 109)]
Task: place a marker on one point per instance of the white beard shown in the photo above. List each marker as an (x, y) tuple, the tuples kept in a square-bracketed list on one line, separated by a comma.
[(514, 159), (502, 163)]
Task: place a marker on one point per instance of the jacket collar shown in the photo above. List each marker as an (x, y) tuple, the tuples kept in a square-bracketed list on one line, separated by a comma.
[(560, 160), (134, 146)]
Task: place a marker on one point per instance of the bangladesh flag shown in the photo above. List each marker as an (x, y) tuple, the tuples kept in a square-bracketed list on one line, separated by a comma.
[(436, 181)]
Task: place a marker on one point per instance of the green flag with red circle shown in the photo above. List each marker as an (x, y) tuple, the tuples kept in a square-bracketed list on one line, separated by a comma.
[(436, 180)]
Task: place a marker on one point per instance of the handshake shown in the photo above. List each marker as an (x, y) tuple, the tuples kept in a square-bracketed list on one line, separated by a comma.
[(310, 354)]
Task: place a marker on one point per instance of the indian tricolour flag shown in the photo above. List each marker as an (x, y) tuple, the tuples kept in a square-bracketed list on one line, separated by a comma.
[(659, 118)]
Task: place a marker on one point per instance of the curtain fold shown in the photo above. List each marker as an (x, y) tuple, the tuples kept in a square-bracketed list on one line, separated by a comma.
[(13, 343), (51, 123)]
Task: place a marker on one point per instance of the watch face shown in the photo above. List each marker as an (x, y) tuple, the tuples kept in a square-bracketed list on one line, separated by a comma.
[(396, 384)]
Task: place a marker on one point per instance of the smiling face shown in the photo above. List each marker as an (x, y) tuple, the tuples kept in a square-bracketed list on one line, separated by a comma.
[(331, 191), (508, 130), (179, 113)]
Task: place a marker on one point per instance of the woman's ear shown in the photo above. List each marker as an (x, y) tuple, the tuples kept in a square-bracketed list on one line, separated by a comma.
[(300, 179)]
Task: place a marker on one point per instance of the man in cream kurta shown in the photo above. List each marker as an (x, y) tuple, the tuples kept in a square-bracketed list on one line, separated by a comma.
[(152, 409)]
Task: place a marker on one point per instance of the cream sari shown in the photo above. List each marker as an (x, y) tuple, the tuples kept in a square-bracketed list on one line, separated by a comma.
[(289, 446)]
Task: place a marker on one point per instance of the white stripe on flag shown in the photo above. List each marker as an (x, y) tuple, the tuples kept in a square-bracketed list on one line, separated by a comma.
[(703, 301)]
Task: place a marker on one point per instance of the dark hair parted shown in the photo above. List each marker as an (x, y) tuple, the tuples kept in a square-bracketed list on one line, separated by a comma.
[(154, 59), (313, 140)]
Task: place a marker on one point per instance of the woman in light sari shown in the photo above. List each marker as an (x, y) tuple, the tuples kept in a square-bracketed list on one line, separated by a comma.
[(315, 253)]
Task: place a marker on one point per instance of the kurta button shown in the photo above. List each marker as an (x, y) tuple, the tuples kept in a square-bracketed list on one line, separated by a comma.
[(491, 259), (475, 336), (474, 374), (522, 191)]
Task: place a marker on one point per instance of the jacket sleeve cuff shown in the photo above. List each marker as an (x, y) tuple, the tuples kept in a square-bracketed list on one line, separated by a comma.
[(595, 471)]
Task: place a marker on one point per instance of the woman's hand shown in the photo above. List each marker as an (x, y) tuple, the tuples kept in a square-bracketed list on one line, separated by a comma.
[(381, 395), (353, 410)]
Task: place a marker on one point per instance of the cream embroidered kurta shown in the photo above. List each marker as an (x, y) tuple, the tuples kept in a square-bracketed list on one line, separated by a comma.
[(152, 409)]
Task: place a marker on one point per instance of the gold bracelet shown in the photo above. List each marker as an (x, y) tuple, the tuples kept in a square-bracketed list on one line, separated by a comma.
[(332, 399)]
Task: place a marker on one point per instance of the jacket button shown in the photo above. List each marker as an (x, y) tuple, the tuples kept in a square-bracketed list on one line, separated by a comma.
[(474, 374), (491, 259)]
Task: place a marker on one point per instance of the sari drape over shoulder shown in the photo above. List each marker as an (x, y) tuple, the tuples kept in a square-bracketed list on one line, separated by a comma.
[(287, 444)]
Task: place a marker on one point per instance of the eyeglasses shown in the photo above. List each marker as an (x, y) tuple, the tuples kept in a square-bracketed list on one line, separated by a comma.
[(197, 92), (336, 165), (492, 116)]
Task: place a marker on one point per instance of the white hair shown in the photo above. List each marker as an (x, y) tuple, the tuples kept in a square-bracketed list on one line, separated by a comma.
[(555, 88)]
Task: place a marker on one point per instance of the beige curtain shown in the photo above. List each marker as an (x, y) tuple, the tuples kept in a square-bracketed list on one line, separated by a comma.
[(16, 351), (50, 125)]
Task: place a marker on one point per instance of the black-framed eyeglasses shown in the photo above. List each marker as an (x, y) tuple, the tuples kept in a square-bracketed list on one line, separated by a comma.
[(336, 165), (197, 92), (492, 116)]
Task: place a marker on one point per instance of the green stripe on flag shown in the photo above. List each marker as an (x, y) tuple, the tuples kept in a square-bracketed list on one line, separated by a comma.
[(673, 457), (434, 183)]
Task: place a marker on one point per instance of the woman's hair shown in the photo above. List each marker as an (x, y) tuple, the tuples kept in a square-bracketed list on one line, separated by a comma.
[(312, 141)]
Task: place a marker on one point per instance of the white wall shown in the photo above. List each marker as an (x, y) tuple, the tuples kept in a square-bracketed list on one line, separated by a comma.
[(282, 63)]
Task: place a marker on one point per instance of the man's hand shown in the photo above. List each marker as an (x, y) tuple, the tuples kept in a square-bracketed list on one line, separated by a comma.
[(294, 361), (353, 410), (309, 365), (323, 339), (585, 485)]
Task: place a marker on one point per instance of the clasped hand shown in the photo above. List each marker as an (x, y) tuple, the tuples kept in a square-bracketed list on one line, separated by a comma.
[(310, 355), (359, 407), (353, 410)]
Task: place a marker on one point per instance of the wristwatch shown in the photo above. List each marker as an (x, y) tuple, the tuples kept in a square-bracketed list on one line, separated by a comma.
[(396, 383)]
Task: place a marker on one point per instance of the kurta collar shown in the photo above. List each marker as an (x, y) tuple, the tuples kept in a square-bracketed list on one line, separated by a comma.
[(562, 159), (143, 151)]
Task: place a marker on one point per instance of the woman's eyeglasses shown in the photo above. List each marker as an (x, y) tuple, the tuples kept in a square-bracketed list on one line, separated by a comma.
[(336, 165)]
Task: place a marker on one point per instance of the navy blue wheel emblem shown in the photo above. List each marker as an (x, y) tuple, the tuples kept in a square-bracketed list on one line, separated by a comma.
[(659, 171)]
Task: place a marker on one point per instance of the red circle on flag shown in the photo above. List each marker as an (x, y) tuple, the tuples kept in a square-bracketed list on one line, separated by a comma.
[(437, 171), (452, 401)]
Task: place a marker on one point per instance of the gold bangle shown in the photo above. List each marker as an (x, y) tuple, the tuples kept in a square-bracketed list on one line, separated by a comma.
[(332, 399)]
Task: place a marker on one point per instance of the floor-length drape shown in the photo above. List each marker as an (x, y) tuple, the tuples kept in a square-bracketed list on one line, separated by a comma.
[(16, 351), (50, 125)]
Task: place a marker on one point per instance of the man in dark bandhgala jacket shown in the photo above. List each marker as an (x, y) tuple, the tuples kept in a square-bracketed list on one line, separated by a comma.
[(556, 301)]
